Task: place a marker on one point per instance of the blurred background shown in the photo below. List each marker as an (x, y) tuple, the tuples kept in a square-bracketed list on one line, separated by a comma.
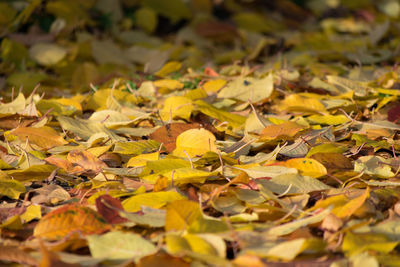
[(66, 45)]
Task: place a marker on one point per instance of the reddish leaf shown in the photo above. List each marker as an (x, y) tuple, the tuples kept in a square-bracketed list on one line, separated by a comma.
[(108, 207), (394, 113)]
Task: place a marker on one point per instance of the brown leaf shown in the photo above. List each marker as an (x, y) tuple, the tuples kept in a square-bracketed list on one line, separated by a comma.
[(220, 31), (162, 259), (13, 121)]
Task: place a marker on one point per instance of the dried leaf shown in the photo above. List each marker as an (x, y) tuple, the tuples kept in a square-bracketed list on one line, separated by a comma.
[(68, 220)]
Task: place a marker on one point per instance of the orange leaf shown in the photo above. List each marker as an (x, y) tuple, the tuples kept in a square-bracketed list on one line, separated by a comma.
[(352, 205), (86, 160), (71, 218), (44, 137), (64, 164), (281, 131)]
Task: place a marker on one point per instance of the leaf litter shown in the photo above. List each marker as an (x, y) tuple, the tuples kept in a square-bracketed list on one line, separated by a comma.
[(199, 133)]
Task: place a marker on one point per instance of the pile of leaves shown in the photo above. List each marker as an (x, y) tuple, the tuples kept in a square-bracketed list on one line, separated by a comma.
[(199, 133)]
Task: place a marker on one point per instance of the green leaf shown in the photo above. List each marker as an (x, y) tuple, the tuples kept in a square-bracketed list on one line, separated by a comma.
[(357, 243), (136, 148), (33, 173), (293, 184)]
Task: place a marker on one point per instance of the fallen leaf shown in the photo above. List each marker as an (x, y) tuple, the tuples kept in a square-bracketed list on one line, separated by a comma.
[(44, 137), (69, 220), (194, 142)]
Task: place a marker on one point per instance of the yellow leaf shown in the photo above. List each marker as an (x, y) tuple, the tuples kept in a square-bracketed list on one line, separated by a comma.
[(169, 84), (344, 206), (44, 137), (70, 102), (98, 100), (352, 206), (32, 212), (141, 160), (168, 68), (176, 106), (11, 188), (213, 86), (248, 88), (223, 116), (302, 104), (326, 148), (180, 214), (153, 200), (194, 142), (328, 119), (307, 167), (180, 176)]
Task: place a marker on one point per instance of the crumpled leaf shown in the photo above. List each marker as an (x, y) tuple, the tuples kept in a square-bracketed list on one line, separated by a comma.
[(373, 165), (68, 220)]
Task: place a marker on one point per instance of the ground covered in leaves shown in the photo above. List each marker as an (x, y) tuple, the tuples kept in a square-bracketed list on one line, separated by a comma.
[(199, 133)]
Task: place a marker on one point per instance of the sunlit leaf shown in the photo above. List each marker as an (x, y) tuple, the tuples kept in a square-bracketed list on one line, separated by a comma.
[(153, 200), (307, 167), (194, 142)]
